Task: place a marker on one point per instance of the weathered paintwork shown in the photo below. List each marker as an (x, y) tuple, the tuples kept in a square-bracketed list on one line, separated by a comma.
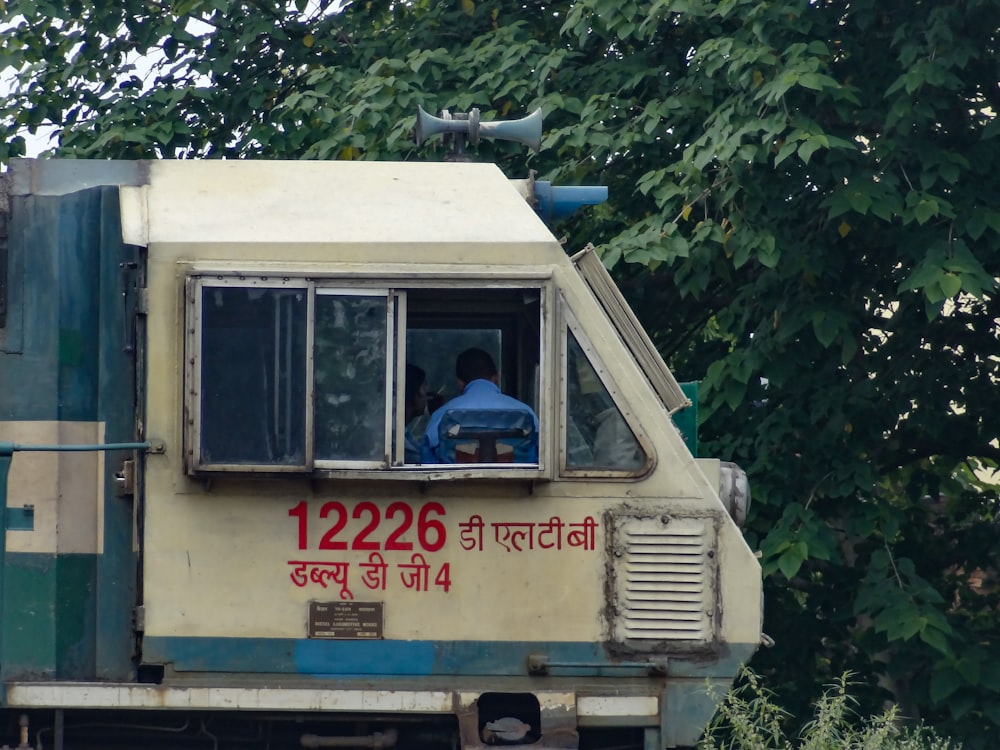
[(66, 378), (229, 563)]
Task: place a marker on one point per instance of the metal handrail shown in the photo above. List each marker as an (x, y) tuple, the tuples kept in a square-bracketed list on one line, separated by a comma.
[(7, 449)]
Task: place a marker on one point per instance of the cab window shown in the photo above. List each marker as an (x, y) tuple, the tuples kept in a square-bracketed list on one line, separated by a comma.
[(598, 438), (250, 388), (286, 375)]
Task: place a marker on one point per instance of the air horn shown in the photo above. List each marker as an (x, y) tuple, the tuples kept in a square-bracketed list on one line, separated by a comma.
[(462, 128)]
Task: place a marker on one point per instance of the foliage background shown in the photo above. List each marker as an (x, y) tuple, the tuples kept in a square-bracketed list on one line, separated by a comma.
[(804, 211)]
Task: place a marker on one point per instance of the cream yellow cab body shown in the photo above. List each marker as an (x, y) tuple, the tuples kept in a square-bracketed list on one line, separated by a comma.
[(293, 560)]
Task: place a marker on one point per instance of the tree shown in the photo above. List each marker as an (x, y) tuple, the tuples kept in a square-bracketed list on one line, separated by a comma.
[(833, 210), (803, 211)]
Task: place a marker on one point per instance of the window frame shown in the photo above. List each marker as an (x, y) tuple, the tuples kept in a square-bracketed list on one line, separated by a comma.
[(598, 279), (193, 371), (396, 286), (392, 298)]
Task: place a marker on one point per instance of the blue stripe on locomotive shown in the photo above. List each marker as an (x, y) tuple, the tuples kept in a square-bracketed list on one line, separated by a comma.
[(63, 359), (385, 658)]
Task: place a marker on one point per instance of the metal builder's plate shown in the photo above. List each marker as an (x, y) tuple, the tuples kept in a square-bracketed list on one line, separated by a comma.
[(345, 620)]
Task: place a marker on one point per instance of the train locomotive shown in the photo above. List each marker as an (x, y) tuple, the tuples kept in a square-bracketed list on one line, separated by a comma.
[(214, 536)]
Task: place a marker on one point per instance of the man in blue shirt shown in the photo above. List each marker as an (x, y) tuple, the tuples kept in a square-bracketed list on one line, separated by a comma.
[(478, 380)]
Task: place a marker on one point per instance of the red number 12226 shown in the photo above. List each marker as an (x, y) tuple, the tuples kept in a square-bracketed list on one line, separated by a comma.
[(399, 517)]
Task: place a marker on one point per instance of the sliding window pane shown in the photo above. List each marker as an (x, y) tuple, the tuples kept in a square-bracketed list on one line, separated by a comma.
[(349, 371), (253, 376)]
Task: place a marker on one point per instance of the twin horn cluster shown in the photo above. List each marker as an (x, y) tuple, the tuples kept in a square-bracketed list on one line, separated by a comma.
[(526, 131)]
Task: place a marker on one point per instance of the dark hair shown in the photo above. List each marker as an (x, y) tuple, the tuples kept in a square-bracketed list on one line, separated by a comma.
[(415, 377), (474, 364)]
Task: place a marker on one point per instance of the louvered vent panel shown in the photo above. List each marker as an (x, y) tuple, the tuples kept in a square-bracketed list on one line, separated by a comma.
[(664, 579)]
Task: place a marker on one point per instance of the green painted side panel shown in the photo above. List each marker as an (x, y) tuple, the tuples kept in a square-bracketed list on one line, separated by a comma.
[(49, 628), (70, 354), (686, 420), (76, 623), (29, 623)]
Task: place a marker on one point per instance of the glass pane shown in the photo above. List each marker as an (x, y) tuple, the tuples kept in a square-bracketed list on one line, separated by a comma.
[(253, 375), (349, 370), (597, 435)]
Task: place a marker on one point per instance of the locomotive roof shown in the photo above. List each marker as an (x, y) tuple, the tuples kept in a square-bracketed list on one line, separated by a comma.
[(325, 202)]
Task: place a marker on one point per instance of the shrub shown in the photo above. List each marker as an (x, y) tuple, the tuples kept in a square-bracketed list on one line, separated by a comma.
[(749, 718)]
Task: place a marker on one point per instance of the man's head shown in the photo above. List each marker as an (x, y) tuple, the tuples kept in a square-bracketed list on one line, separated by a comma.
[(475, 364), (416, 391)]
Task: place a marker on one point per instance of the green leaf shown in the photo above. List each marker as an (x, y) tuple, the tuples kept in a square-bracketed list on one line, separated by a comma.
[(969, 669), (975, 225), (859, 200), (678, 246), (735, 393), (944, 683), (923, 276), (837, 204), (926, 210), (826, 327), (786, 150), (936, 640), (950, 283), (886, 206), (808, 148), (768, 253), (908, 628), (816, 81), (791, 560)]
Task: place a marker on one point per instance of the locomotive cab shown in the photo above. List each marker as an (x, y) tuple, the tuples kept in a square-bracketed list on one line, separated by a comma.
[(270, 548)]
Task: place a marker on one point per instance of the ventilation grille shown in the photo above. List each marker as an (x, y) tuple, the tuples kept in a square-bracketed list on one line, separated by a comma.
[(665, 576)]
